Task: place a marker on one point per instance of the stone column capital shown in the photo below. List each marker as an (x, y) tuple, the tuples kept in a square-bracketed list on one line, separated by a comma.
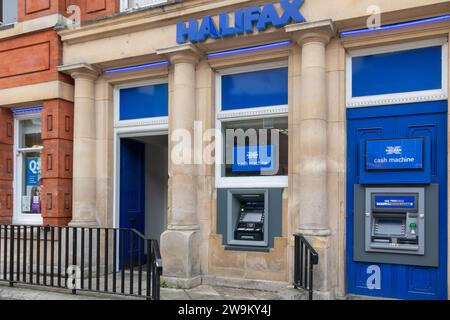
[(80, 71), (320, 31), (186, 53)]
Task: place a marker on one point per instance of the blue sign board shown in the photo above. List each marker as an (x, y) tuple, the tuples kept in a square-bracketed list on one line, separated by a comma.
[(395, 202), (33, 172), (244, 22), (253, 158), (395, 154)]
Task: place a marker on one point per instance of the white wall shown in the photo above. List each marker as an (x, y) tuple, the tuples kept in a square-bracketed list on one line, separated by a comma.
[(156, 170)]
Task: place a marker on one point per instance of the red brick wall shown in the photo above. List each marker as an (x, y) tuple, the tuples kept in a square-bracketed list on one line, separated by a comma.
[(57, 155), (29, 59), (93, 9), (90, 9), (6, 165)]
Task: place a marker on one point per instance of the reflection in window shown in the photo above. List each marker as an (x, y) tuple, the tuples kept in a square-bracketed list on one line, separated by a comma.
[(30, 134)]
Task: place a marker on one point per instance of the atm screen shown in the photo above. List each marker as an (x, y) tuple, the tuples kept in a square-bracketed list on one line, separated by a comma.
[(395, 202), (252, 217)]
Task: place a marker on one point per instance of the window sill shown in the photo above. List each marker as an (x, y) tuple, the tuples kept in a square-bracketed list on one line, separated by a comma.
[(7, 26)]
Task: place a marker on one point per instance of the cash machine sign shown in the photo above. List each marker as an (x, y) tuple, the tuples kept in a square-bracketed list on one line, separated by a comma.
[(394, 154)]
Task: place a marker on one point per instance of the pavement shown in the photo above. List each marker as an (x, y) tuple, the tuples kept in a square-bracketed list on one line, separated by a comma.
[(203, 292)]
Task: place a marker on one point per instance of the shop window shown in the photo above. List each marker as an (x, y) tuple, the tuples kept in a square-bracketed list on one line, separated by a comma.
[(262, 151), (28, 170), (252, 115), (8, 12), (411, 72), (145, 101)]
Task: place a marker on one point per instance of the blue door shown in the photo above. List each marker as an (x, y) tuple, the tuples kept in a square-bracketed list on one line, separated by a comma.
[(403, 121), (132, 195)]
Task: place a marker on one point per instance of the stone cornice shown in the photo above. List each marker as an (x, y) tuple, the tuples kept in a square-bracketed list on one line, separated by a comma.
[(33, 25), (321, 31), (182, 53), (80, 70)]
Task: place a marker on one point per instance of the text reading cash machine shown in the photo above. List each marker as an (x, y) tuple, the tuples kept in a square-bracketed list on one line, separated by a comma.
[(396, 214)]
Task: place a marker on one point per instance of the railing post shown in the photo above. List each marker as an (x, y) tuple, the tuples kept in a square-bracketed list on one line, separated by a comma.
[(311, 280), (74, 260), (11, 257), (149, 270)]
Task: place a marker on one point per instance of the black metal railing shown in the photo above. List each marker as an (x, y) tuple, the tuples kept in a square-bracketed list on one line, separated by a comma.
[(305, 259), (105, 260)]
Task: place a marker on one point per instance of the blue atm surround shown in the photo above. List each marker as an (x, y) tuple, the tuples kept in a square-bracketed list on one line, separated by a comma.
[(421, 120)]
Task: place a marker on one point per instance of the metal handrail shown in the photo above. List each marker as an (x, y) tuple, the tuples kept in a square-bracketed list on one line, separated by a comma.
[(105, 260), (305, 258)]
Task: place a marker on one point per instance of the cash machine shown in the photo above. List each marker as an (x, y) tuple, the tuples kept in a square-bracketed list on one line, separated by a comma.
[(395, 220), (396, 212), (250, 221)]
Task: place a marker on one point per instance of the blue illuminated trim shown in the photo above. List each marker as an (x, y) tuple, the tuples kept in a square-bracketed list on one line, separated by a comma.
[(395, 26), (138, 67), (26, 110), (248, 49)]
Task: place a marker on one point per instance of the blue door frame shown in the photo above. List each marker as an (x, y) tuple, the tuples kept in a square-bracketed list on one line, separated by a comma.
[(401, 121), (132, 193)]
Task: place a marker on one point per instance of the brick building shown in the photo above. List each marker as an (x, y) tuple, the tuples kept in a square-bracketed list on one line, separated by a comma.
[(42, 100)]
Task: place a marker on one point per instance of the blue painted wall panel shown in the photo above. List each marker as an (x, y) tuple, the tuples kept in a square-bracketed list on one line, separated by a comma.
[(399, 281), (397, 72), (255, 89), (144, 102)]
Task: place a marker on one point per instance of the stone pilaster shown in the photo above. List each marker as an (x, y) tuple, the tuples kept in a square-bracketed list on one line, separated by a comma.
[(180, 243), (84, 145), (311, 124)]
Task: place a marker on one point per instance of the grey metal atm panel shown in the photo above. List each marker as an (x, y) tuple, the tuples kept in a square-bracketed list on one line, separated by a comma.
[(427, 251)]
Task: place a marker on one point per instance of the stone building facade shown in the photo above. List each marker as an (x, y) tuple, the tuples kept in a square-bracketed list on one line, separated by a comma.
[(94, 72)]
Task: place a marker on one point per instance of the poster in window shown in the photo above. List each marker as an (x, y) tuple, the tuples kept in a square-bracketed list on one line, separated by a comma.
[(33, 172)]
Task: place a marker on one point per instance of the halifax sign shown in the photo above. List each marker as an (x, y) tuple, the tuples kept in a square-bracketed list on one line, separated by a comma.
[(244, 22)]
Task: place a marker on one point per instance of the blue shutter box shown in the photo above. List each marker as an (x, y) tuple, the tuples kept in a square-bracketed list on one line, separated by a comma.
[(255, 89), (150, 101), (397, 72)]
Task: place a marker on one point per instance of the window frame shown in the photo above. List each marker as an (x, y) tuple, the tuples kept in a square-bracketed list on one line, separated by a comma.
[(403, 97), (278, 111), (3, 12), (18, 216), (125, 7), (143, 121)]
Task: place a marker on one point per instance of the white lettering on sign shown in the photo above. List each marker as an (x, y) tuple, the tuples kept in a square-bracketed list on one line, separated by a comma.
[(394, 160), (374, 279)]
